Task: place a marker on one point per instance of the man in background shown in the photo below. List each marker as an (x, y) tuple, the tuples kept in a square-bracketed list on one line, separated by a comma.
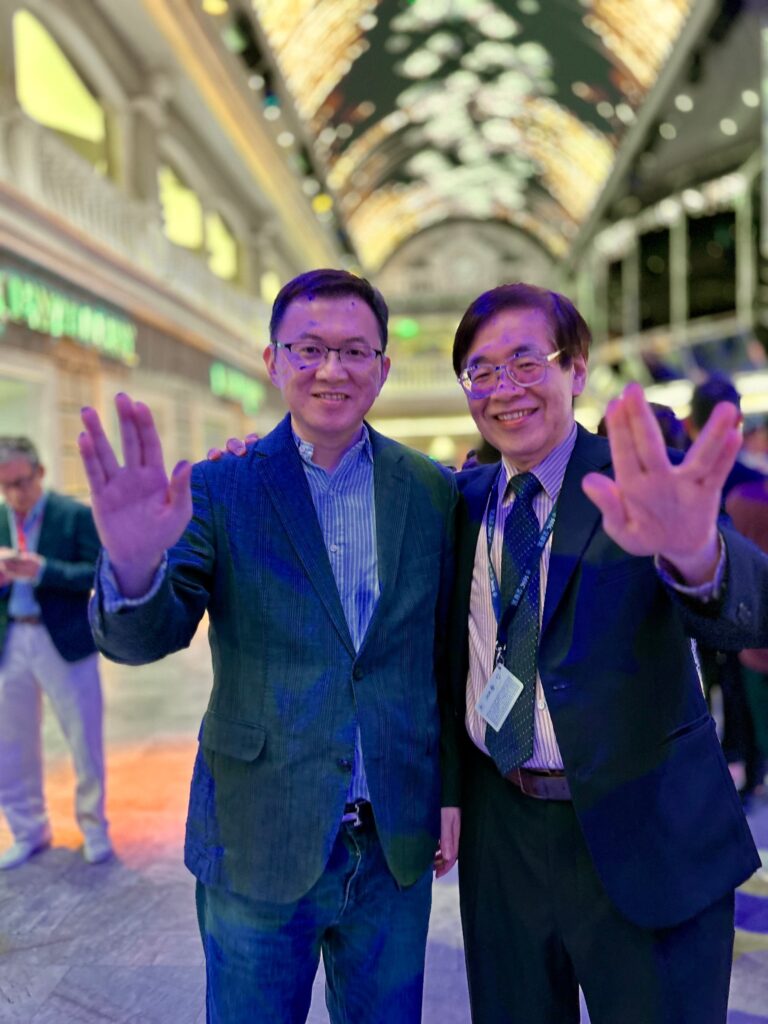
[(721, 669), (48, 550)]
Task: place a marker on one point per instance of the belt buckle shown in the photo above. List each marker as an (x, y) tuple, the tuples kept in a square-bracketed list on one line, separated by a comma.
[(352, 814)]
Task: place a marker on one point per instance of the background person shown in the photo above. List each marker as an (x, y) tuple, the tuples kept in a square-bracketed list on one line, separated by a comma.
[(48, 549)]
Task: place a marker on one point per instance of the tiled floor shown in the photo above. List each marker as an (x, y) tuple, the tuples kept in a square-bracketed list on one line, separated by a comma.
[(118, 942)]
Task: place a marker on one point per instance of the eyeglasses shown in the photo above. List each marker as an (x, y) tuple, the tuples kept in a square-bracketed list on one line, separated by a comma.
[(524, 369), (18, 483), (308, 355)]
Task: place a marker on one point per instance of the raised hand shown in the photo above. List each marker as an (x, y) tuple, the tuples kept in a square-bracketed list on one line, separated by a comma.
[(654, 507), (139, 512)]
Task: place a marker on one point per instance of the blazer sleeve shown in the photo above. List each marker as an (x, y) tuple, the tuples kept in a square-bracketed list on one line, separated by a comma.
[(449, 732), (149, 630), (739, 618), (74, 574)]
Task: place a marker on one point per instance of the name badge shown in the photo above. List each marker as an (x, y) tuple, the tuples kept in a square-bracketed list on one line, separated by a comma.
[(499, 697)]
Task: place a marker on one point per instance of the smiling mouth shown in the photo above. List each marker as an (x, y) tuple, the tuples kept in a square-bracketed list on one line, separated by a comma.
[(516, 415), (331, 396)]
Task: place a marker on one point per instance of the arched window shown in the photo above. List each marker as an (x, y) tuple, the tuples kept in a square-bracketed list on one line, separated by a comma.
[(182, 210), (222, 248), (52, 92)]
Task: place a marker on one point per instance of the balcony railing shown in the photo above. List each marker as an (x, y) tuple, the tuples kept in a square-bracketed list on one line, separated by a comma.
[(39, 164)]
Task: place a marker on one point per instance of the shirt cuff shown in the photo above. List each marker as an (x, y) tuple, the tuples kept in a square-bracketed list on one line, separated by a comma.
[(704, 592), (114, 600)]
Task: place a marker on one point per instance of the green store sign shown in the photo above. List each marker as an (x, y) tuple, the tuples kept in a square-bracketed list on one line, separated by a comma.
[(37, 306), (236, 387)]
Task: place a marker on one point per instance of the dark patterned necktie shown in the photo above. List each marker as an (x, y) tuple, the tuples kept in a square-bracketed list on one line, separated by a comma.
[(512, 745)]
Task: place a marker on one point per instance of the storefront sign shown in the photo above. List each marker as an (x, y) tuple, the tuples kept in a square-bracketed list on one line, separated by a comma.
[(236, 387), (41, 308)]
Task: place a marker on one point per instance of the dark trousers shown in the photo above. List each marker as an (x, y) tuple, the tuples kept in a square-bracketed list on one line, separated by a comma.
[(537, 924), (722, 668)]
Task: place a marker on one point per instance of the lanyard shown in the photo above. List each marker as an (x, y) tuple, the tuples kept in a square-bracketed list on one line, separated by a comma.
[(504, 616), (22, 532)]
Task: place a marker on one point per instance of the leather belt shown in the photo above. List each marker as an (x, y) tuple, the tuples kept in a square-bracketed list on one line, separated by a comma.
[(26, 620), (542, 785), (358, 814)]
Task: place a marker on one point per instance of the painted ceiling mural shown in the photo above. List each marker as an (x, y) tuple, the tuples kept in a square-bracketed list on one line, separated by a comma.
[(423, 111)]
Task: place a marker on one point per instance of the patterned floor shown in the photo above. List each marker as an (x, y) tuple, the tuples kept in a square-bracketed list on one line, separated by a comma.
[(118, 942)]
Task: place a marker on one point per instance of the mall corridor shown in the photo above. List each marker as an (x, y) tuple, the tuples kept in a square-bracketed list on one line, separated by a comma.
[(118, 942)]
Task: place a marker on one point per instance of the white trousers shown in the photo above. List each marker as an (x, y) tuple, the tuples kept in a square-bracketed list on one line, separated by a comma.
[(31, 666)]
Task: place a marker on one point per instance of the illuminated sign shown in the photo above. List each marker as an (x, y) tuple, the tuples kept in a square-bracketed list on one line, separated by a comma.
[(37, 306), (236, 387)]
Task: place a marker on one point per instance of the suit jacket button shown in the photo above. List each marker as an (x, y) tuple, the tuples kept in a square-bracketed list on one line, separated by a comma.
[(344, 764), (357, 673), (743, 614)]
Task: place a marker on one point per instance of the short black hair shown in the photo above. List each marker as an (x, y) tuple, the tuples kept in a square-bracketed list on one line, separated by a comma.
[(716, 388), (334, 284), (18, 447), (570, 333)]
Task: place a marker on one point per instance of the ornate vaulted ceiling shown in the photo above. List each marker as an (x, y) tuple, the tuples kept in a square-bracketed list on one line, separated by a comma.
[(424, 111)]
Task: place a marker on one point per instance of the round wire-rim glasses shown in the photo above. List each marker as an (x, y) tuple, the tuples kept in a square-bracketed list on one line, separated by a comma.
[(526, 369), (308, 355)]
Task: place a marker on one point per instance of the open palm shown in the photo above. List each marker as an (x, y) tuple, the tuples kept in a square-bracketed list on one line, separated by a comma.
[(653, 507), (138, 510)]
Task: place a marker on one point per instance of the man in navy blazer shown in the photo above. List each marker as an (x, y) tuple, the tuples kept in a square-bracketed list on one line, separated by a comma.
[(48, 547), (324, 562), (601, 835)]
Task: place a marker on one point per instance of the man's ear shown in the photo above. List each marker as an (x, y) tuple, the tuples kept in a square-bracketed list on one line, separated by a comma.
[(579, 365), (269, 362)]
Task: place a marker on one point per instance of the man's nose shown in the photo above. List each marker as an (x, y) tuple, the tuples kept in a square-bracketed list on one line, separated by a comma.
[(332, 367), (505, 383)]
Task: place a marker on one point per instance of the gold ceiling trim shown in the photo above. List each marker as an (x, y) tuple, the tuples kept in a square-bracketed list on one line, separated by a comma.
[(202, 61), (638, 35), (315, 43)]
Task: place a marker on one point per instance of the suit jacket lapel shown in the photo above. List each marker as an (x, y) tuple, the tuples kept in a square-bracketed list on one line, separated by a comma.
[(279, 463), (577, 518), (5, 527), (49, 530)]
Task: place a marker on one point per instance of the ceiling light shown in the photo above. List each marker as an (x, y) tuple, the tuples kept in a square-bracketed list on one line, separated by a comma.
[(285, 139), (605, 109), (667, 131), (728, 126), (750, 98), (322, 203), (272, 112), (684, 103)]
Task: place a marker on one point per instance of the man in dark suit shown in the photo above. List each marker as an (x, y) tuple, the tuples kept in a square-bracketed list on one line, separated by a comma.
[(48, 549), (601, 836), (324, 561), (721, 668)]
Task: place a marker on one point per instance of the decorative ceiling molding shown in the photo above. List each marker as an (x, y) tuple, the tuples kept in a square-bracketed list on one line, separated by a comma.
[(429, 110)]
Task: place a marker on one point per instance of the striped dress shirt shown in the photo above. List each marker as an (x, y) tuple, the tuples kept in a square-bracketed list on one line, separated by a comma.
[(346, 512), (482, 620)]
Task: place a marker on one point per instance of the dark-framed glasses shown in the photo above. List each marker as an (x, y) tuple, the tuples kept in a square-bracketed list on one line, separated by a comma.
[(524, 369), (308, 355)]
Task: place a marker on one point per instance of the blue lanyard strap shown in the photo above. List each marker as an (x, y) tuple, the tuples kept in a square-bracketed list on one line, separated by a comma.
[(504, 616)]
